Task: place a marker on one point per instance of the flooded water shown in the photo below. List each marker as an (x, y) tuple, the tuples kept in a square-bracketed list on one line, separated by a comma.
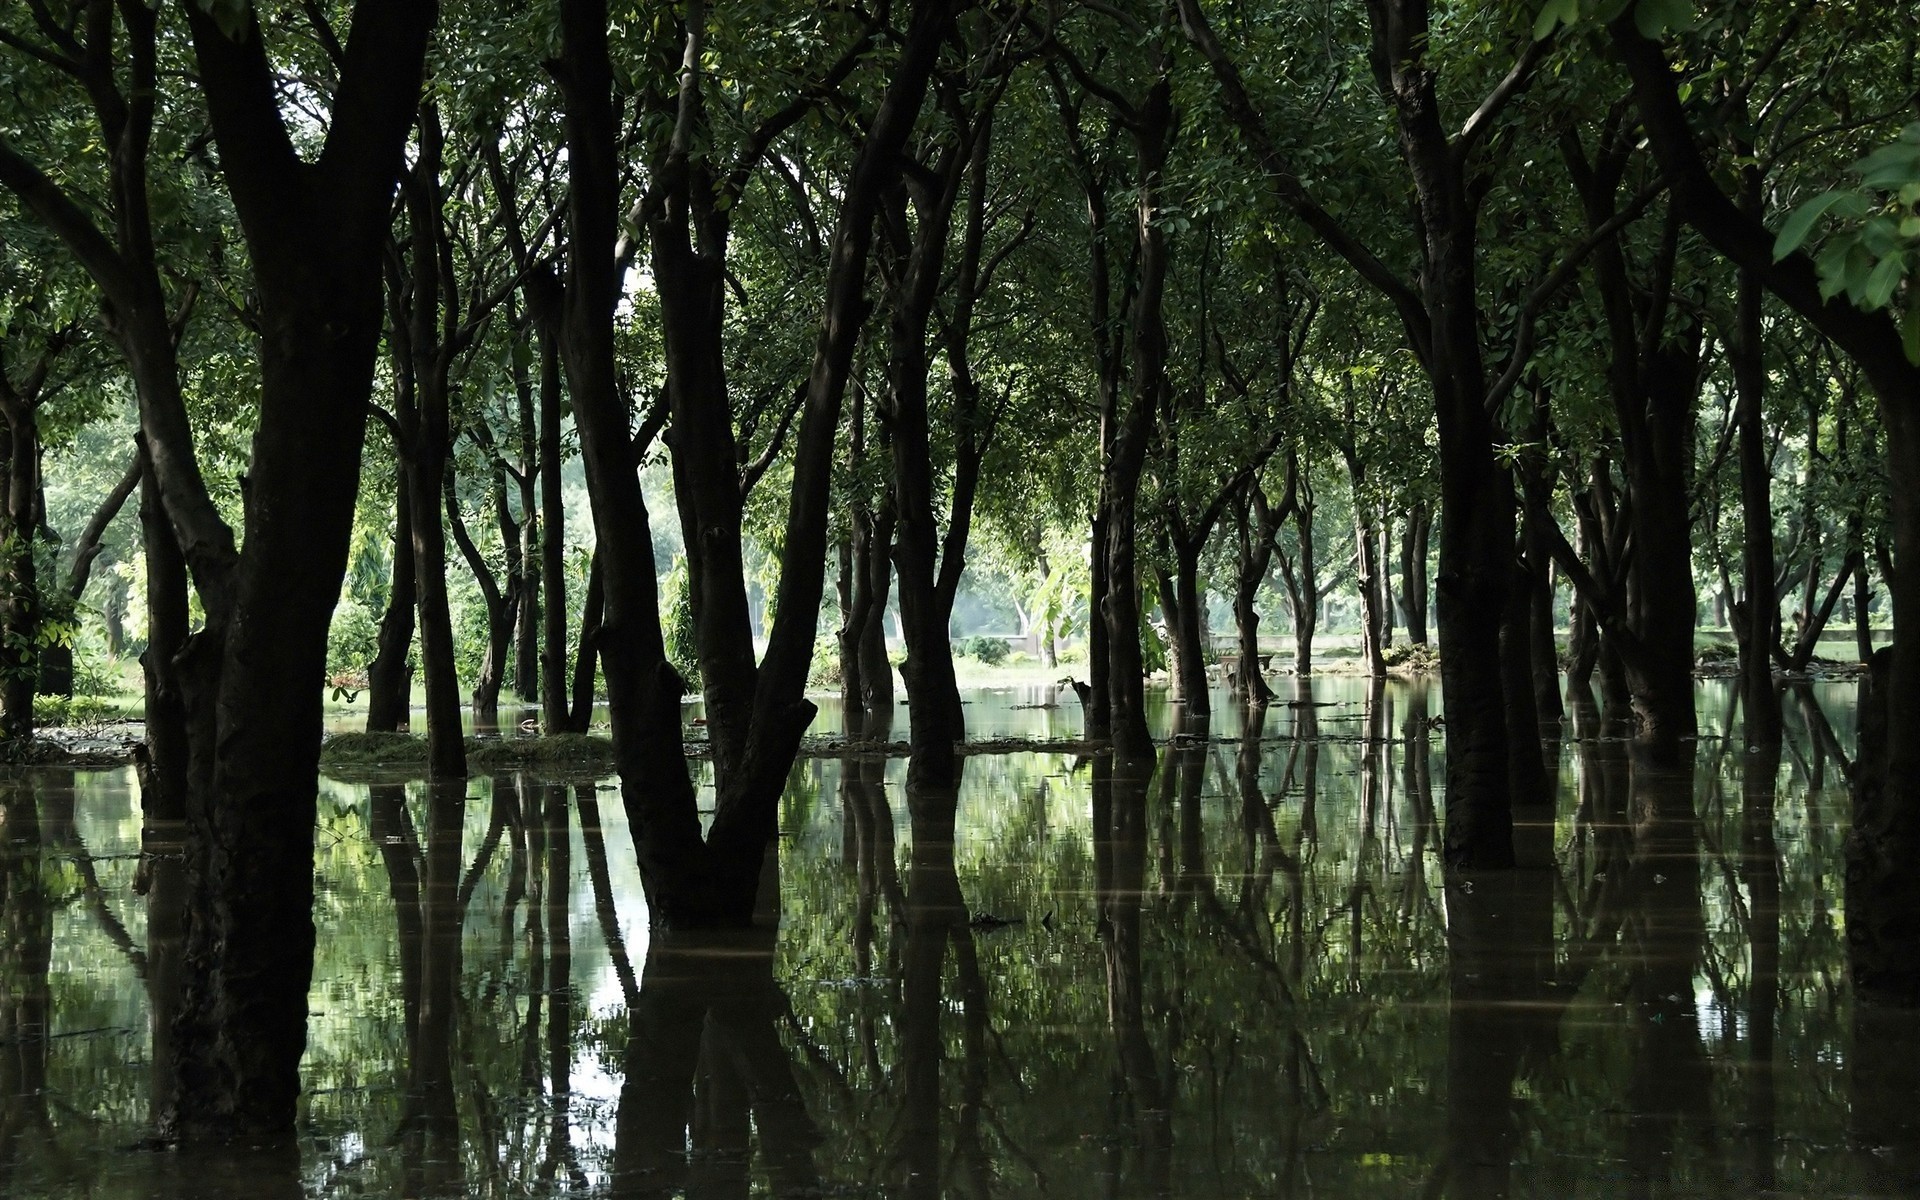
[(1244, 975)]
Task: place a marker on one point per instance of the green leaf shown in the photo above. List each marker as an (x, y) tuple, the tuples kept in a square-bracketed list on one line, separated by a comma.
[(1553, 14), (1886, 276), (1890, 167), (1832, 265), (1801, 223), (1655, 18)]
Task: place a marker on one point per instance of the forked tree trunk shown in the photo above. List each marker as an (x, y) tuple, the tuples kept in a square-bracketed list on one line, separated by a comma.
[(756, 713), (314, 233)]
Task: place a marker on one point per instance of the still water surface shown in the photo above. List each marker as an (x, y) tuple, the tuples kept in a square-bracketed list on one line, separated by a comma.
[(1243, 976)]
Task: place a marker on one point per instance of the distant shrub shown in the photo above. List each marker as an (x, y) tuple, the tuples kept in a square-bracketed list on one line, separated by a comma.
[(825, 669), (989, 650), (1413, 657)]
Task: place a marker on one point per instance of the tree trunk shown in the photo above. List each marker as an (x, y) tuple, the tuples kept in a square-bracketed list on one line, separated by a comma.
[(424, 406), (1413, 572), (913, 256), (250, 681), (390, 675), (1184, 604), (1368, 584), (1543, 652), (1303, 586), (586, 658), (164, 779), (757, 713), (22, 609), (876, 669), (1383, 562), (1152, 131), (500, 607), (530, 561), (554, 715), (1756, 613)]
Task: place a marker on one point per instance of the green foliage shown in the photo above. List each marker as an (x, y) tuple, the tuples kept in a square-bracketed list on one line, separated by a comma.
[(990, 650), (1873, 247), (353, 639), (676, 624), (823, 672)]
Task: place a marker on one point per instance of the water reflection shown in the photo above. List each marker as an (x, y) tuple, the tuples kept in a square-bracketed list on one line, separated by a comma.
[(1233, 968)]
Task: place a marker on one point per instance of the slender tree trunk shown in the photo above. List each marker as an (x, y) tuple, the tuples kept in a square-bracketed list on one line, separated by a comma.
[(1368, 584), (554, 715), (425, 416), (1543, 650), (163, 781), (1756, 613), (876, 669), (1383, 561), (530, 561), (1152, 136), (1303, 587), (1185, 617), (1413, 572), (390, 675), (500, 607), (586, 658)]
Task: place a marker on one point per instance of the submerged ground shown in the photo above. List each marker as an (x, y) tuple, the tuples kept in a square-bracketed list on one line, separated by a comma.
[(1245, 976)]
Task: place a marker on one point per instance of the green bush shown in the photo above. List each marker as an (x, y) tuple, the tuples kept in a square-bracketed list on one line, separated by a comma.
[(352, 641), (989, 650), (825, 670), (676, 624)]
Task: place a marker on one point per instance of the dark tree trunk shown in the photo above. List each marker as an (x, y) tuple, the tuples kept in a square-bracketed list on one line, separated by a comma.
[(1383, 559), (914, 240), (1756, 613), (1543, 650), (22, 608), (756, 712), (1653, 376), (1367, 581), (1413, 572), (1152, 125), (424, 406), (876, 669), (1862, 607), (163, 777), (1256, 526), (854, 590), (529, 563), (1526, 770), (390, 675), (1302, 578), (500, 606), (314, 234), (586, 658), (554, 716), (1182, 601), (1886, 838)]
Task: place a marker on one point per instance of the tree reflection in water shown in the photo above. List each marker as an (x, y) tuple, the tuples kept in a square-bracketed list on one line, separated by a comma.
[(1234, 968)]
